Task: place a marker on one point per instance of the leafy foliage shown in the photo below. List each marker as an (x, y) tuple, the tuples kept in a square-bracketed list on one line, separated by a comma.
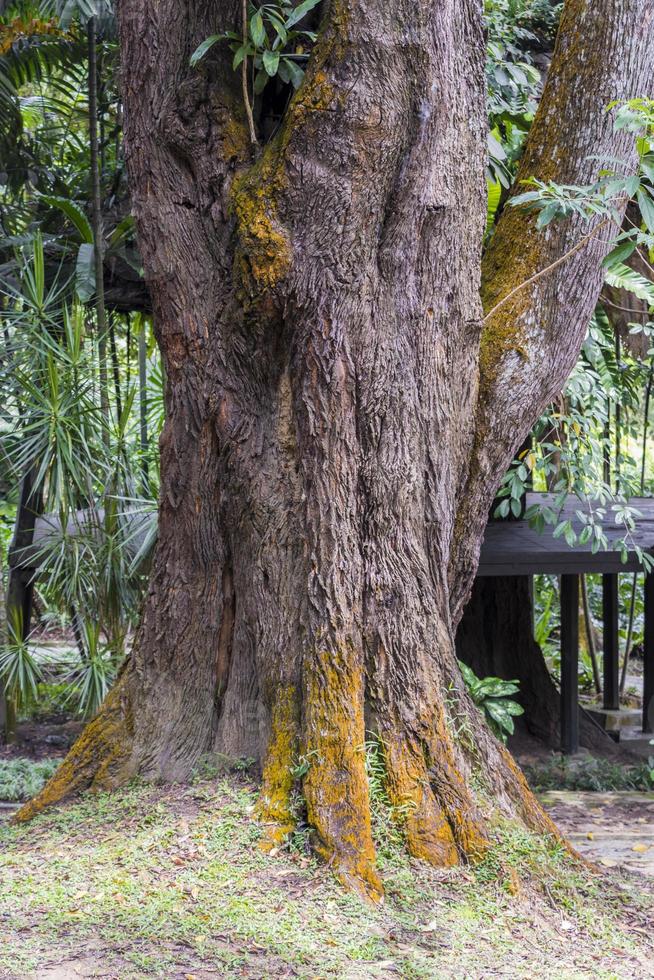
[(274, 42), (20, 779), (492, 695), (595, 775)]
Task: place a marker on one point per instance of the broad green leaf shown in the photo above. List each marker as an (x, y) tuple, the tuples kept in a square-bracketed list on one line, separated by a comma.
[(296, 74), (619, 254), (646, 205), (257, 30), (271, 62), (260, 81), (494, 195), (300, 11)]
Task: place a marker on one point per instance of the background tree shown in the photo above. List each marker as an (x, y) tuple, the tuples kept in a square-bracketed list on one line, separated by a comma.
[(339, 411)]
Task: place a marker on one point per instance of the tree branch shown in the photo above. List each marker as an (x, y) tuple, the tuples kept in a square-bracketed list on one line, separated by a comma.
[(540, 287)]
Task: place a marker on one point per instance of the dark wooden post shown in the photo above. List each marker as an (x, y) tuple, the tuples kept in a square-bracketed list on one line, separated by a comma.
[(569, 663), (648, 659), (610, 642)]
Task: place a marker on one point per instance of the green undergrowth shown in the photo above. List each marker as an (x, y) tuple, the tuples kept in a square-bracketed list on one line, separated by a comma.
[(21, 779), (590, 774), (170, 883)]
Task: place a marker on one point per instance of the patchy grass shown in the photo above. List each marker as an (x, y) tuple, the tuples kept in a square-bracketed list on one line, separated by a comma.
[(588, 773), (152, 883), (21, 779)]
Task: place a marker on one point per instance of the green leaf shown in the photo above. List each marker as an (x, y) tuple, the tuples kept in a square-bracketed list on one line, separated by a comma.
[(271, 62), (548, 214), (296, 74), (495, 687), (647, 166), (494, 189), (260, 82), (85, 272), (470, 678), (123, 230), (258, 31), (514, 708), (301, 11), (74, 213), (239, 55), (500, 715), (619, 254), (622, 277), (646, 205), (202, 49)]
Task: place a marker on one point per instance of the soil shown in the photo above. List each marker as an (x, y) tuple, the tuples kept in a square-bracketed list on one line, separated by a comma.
[(44, 739)]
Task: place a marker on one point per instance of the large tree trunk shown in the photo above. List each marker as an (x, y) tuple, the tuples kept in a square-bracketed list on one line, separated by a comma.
[(329, 452)]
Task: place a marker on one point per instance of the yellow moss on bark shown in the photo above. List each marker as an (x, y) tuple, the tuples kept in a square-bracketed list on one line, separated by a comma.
[(465, 820), (265, 254), (428, 833), (99, 759), (336, 784), (274, 803), (265, 249)]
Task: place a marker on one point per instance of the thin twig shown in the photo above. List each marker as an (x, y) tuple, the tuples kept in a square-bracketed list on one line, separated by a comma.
[(244, 77), (550, 268), (623, 309)]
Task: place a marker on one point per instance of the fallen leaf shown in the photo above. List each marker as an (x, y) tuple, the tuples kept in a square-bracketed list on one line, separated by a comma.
[(641, 848)]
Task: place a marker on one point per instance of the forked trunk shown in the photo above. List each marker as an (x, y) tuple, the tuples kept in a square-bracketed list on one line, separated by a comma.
[(318, 312)]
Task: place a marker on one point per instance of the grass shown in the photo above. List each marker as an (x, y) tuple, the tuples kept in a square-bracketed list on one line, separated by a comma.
[(591, 774), (153, 883), (22, 778)]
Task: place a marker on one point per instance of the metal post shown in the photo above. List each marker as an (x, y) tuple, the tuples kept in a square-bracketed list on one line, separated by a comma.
[(569, 663), (648, 659), (610, 642)]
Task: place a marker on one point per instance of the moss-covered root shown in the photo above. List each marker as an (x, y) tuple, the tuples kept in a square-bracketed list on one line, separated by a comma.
[(467, 823), (99, 758), (428, 834), (274, 808), (336, 784)]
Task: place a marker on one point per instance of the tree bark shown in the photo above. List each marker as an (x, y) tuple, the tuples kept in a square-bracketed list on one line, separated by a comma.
[(328, 456)]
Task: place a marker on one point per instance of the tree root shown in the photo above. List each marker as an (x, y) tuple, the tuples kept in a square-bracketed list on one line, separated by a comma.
[(428, 833), (274, 809), (99, 759), (336, 783)]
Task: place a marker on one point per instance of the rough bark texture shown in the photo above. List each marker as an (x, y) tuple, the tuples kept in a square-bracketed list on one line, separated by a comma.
[(334, 434)]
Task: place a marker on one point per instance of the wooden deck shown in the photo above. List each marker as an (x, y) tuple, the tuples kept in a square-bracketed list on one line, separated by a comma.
[(511, 547)]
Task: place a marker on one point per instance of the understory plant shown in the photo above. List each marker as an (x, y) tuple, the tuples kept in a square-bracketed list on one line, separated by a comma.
[(492, 695)]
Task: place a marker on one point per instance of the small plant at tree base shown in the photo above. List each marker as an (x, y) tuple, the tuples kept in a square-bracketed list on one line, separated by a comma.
[(303, 763), (387, 819), (491, 694)]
